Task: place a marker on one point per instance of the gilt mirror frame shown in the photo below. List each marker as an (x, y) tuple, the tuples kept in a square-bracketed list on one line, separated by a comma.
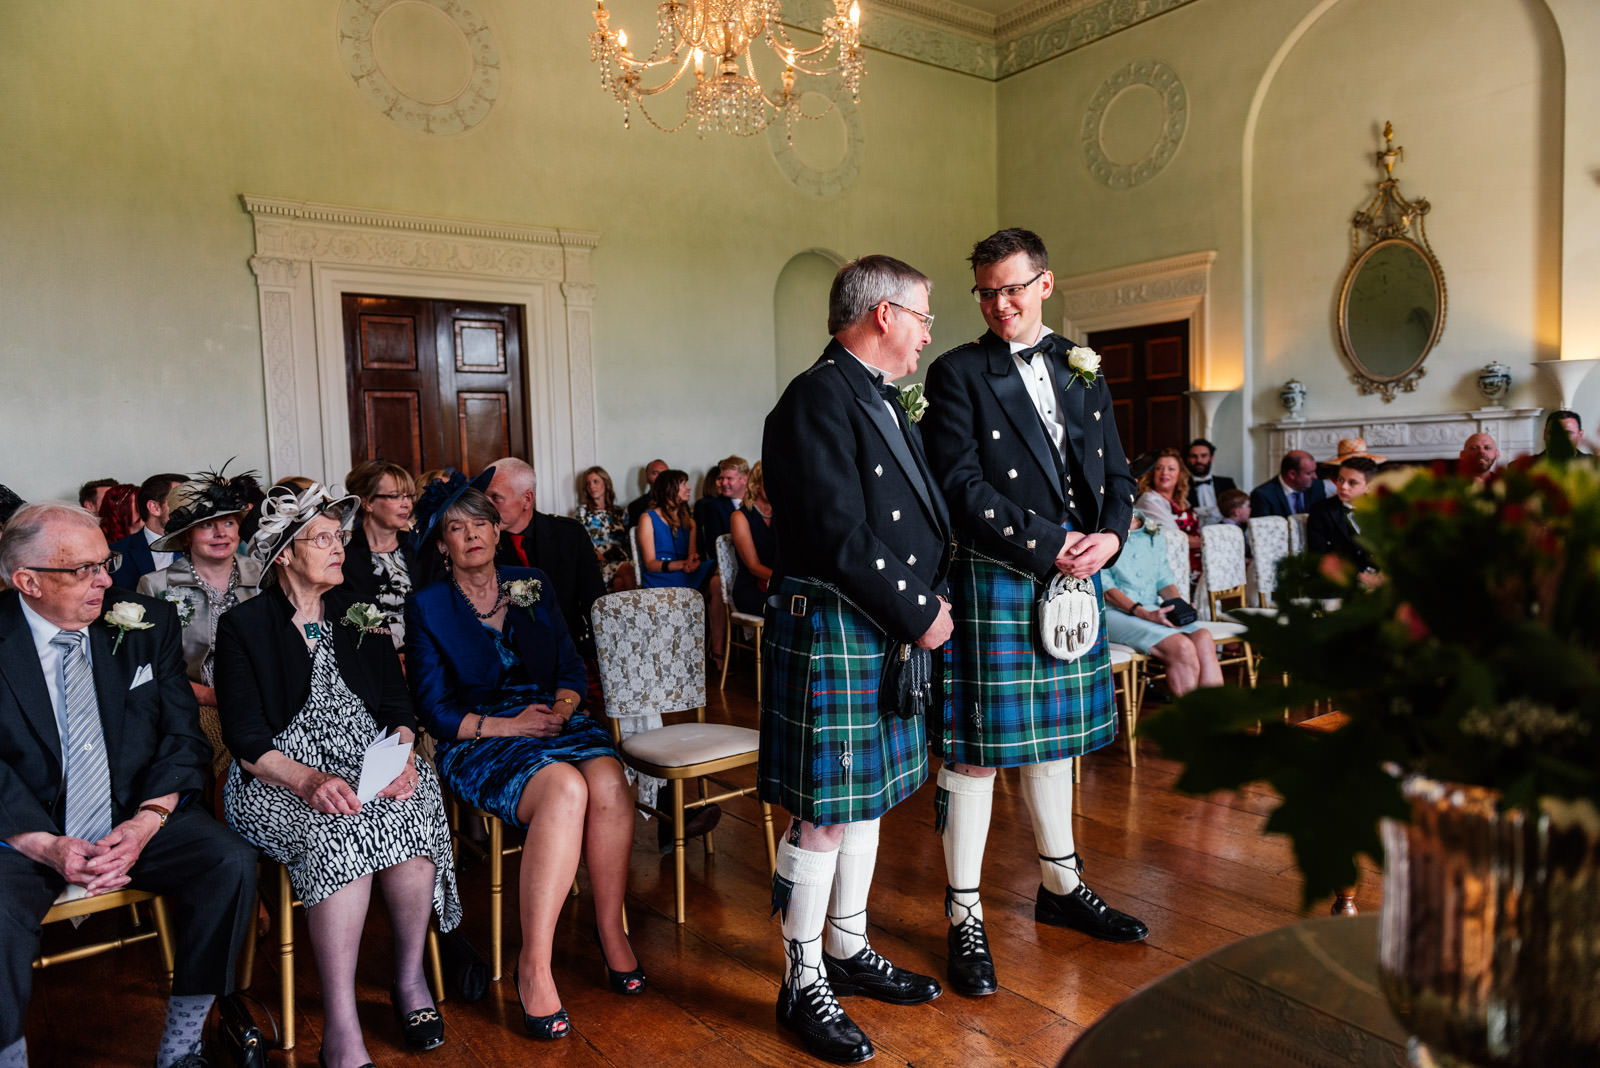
[(1381, 235)]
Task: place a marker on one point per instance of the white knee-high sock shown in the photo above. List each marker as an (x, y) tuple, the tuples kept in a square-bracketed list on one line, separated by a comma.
[(966, 831), (1047, 790), (811, 874), (847, 912)]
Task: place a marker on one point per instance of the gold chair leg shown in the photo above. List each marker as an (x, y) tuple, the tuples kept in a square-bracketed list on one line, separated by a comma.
[(1135, 692), (435, 965), (1077, 768), (727, 649), (163, 933), (496, 888), (758, 664), (772, 845), (711, 844), (247, 963), (677, 846), (286, 953)]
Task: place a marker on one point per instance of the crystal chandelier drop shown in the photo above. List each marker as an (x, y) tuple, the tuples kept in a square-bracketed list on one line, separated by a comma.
[(712, 36)]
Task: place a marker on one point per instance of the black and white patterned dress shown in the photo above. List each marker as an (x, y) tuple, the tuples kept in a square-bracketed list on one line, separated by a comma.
[(325, 852)]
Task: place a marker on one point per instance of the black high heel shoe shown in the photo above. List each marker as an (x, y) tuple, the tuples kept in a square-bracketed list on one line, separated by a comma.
[(557, 1025), (423, 1028), (626, 983)]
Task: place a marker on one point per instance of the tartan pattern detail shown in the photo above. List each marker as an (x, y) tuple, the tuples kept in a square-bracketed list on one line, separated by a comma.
[(826, 754), (1011, 703)]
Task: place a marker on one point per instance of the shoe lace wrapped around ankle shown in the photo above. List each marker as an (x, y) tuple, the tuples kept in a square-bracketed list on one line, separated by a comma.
[(818, 993)]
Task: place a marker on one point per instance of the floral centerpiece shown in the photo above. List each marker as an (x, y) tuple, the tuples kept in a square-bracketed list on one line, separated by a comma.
[(1470, 679)]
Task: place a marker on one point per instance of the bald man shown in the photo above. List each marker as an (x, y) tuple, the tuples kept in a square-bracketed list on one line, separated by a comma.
[(1479, 456)]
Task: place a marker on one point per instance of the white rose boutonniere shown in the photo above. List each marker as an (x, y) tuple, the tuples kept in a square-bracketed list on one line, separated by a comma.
[(366, 618), (179, 600), (126, 616), (1085, 363), (524, 593), (912, 400)]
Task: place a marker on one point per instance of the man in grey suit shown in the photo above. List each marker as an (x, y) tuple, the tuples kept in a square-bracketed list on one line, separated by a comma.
[(100, 749)]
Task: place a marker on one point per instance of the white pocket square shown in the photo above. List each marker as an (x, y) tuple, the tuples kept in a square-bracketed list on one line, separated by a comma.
[(142, 676)]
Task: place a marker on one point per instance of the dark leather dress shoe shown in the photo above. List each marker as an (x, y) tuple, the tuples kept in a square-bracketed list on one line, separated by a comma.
[(822, 1027), (869, 973), (971, 968), (423, 1028), (1082, 910), (695, 823)]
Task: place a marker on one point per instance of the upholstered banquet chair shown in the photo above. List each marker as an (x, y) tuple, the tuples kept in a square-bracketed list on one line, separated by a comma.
[(1269, 541), (651, 647), (1176, 543), (728, 565), (1222, 561)]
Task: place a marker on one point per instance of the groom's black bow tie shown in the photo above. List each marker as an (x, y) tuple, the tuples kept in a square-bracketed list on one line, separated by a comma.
[(1043, 348), (1200, 481)]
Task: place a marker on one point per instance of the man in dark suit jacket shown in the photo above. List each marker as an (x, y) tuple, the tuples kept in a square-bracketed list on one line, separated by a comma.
[(138, 559), (112, 812), (1021, 435), (862, 541), (1294, 491), (641, 504), (554, 544), (1204, 487), (1330, 527)]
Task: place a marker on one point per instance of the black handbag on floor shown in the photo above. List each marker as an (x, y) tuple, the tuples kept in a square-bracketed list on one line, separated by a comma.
[(242, 1041), (464, 969)]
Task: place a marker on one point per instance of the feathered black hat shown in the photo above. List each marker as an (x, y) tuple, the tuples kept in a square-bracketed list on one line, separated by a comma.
[(208, 495), (440, 494)]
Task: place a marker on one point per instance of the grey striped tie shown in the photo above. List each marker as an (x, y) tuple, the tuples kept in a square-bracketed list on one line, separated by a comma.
[(83, 745)]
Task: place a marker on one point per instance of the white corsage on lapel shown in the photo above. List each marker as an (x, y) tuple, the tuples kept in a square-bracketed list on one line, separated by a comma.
[(1085, 364), (145, 674), (123, 617)]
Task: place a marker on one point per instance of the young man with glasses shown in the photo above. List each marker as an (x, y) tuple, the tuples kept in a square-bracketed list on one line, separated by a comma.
[(100, 751), (1021, 436)]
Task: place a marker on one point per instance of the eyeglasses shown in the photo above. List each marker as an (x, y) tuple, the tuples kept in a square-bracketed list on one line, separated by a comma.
[(84, 572), (393, 497), (922, 317), (328, 538), (986, 296)]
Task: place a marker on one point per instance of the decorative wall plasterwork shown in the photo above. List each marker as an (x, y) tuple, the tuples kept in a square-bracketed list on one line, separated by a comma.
[(836, 180), (951, 35), (1174, 121), (469, 106), (307, 255), (1160, 291), (1414, 438)]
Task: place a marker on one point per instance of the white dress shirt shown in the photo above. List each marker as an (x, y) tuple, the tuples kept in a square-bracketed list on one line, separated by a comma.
[(1041, 386), (162, 560), (50, 658)]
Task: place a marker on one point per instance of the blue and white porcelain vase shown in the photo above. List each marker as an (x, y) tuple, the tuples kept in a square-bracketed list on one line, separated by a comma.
[(1293, 396), (1494, 382)]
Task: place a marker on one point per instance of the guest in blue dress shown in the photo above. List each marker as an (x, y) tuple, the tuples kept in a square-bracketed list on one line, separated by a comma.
[(1135, 586), (498, 681), (667, 543)]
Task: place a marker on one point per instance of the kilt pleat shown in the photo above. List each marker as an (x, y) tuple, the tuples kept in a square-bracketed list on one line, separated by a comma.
[(826, 754), (1011, 703)]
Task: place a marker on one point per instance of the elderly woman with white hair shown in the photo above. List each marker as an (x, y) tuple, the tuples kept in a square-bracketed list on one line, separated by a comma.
[(306, 683)]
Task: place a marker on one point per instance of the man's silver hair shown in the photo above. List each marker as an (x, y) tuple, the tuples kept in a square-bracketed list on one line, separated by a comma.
[(861, 285), (26, 539), (519, 472)]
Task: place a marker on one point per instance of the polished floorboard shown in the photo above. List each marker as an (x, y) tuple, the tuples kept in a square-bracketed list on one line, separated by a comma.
[(1199, 871)]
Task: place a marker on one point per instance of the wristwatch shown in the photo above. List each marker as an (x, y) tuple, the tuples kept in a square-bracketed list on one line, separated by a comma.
[(161, 813)]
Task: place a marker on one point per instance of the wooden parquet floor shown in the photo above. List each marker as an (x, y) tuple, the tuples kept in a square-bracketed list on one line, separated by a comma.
[(1199, 872)]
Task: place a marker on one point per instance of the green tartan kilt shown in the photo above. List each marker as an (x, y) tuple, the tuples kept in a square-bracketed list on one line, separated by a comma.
[(826, 754), (1011, 703)]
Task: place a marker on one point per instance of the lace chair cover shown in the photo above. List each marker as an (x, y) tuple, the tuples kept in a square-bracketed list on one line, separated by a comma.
[(1222, 556), (1177, 545), (728, 566), (1297, 533), (633, 544), (1269, 539), (651, 648)]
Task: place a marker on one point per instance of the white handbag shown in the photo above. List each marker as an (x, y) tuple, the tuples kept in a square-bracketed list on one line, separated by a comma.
[(1069, 617)]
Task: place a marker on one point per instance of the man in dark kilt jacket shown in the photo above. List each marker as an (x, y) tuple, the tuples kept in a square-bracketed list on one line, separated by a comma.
[(863, 544), (1021, 437)]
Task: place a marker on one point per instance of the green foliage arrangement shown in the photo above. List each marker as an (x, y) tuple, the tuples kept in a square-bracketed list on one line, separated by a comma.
[(1476, 660)]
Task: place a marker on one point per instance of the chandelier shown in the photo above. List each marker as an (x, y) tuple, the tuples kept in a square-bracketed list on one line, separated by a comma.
[(712, 36)]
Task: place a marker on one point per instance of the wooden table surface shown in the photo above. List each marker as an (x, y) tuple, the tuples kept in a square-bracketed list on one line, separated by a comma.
[(1303, 995)]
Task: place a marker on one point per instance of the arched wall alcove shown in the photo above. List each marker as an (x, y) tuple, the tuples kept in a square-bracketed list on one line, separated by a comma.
[(800, 311)]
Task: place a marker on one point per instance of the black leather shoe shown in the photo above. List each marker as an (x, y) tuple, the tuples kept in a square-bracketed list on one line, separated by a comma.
[(971, 968), (190, 1060), (696, 823), (423, 1028), (869, 973), (822, 1027), (1082, 910)]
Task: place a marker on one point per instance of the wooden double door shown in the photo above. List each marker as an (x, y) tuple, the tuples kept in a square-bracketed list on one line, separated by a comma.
[(1147, 368), (434, 383)]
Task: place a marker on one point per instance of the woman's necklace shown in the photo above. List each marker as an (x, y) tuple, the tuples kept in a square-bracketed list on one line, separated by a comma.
[(764, 513), (213, 594), (499, 600)]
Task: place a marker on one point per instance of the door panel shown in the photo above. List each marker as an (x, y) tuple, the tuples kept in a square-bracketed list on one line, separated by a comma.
[(1147, 368)]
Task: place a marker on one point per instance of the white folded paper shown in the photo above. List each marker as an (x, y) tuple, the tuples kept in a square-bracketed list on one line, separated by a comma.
[(386, 758)]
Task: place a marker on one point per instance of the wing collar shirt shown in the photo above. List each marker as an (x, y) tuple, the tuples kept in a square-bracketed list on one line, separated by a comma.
[(1041, 385), (879, 376)]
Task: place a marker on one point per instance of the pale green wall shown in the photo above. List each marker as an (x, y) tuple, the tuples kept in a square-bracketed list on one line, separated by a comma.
[(128, 303)]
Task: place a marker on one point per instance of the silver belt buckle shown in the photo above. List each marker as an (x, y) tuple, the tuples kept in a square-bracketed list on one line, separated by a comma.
[(797, 604)]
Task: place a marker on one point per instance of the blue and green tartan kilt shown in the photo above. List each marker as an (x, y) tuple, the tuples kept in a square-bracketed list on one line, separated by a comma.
[(1011, 703), (826, 754)]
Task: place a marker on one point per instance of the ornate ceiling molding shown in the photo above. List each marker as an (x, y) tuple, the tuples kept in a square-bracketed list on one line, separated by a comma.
[(956, 37)]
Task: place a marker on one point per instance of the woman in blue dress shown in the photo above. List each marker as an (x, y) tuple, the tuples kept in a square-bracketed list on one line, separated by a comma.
[(1135, 586), (498, 681), (667, 544)]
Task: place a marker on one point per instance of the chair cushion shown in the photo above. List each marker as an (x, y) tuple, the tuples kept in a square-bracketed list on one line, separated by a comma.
[(1121, 654), (679, 744), (1224, 631)]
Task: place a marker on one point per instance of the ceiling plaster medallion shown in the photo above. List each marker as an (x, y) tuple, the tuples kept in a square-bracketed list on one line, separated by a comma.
[(466, 104), (823, 183), (1174, 120)]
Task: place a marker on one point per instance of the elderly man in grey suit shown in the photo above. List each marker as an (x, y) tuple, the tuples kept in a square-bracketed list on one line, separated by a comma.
[(100, 749)]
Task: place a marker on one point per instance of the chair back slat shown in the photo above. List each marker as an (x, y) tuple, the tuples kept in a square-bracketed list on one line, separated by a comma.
[(727, 566), (652, 652)]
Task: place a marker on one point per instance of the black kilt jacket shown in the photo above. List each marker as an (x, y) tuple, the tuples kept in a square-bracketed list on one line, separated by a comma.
[(1007, 489), (854, 503)]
